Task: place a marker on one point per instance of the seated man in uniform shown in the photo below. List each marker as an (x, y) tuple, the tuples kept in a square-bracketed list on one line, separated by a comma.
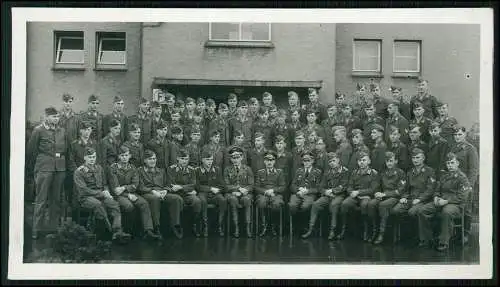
[(123, 182), (239, 181), (305, 186), (363, 184), (451, 193), (210, 186), (270, 186), (154, 188), (93, 194), (333, 186), (182, 177)]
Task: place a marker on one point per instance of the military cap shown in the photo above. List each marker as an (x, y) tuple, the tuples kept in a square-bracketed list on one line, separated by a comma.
[(440, 104), (458, 129), (176, 130), (206, 154), (422, 80), (200, 100), (85, 125), (378, 128), (266, 94), (50, 111), (339, 128), (389, 155), (235, 150), (393, 128), (242, 104), (299, 134), (195, 130), (155, 104), (183, 153), (143, 100), (232, 96), (133, 127), (253, 100), (369, 105), (149, 154), (66, 97), (93, 98), (435, 124), (413, 126), (272, 107), (117, 99), (279, 138), (210, 103), (394, 88), (417, 151), (451, 156), (356, 132), (123, 149), (360, 86), (89, 151), (311, 111), (362, 154), (418, 104), (332, 155), (270, 155), (394, 103), (161, 125), (338, 95), (179, 102), (169, 95), (223, 106), (258, 135), (311, 90), (189, 100), (113, 123), (214, 132), (306, 156)]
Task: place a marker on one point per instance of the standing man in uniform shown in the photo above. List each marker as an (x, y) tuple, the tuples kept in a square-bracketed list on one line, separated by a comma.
[(379, 148), (94, 117), (109, 144), (94, 195), (68, 119), (117, 114), (397, 120), (437, 149), (242, 123), (344, 148), (369, 122), (421, 120), (448, 124), (46, 154), (215, 148), (134, 145), (239, 182), (269, 186), (143, 119), (161, 146), (403, 100), (315, 105), (423, 96)]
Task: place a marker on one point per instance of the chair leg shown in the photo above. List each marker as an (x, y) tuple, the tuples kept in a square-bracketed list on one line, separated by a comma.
[(228, 222), (256, 221), (291, 225), (281, 222)]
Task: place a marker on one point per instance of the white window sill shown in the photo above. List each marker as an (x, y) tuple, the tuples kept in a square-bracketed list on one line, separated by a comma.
[(68, 67), (405, 75), (366, 74), (111, 67), (239, 44)]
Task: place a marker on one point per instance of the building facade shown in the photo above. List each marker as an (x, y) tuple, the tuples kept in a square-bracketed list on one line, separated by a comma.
[(212, 59)]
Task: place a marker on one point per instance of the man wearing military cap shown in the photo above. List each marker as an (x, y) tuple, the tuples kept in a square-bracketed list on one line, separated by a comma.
[(452, 191), (239, 185), (109, 144), (269, 185), (305, 186), (379, 148), (94, 117), (332, 188), (156, 118), (68, 119), (155, 188), (399, 149), (221, 124), (135, 145), (123, 183), (403, 100), (239, 141), (143, 119), (363, 184), (93, 194), (370, 121), (161, 145), (257, 152), (119, 115), (315, 105), (168, 108), (358, 148), (396, 119), (421, 185), (468, 157), (182, 178), (210, 185), (215, 148), (430, 102), (242, 123), (46, 159), (437, 148), (415, 135), (421, 120), (448, 124)]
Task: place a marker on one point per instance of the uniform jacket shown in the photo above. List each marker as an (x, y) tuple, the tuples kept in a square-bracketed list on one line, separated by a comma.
[(175, 147), (242, 125), (401, 123), (421, 184), (353, 162), (319, 108), (270, 179), (447, 128), (122, 118), (207, 178), (393, 182), (151, 179), (344, 152), (420, 145), (378, 156), (429, 102), (221, 124), (90, 181), (123, 175), (310, 181), (469, 160), (47, 148), (95, 120), (69, 121), (366, 181), (185, 177), (136, 152), (424, 123), (335, 179), (217, 151), (368, 125), (76, 153), (264, 127), (227, 157), (284, 162), (256, 159), (161, 147), (402, 153), (234, 178), (109, 150), (453, 186), (145, 123), (194, 151), (436, 153)]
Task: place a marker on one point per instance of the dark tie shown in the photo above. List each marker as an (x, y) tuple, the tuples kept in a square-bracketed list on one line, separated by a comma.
[(307, 172)]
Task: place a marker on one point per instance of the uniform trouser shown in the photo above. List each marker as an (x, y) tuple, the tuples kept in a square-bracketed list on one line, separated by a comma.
[(129, 206), (234, 202), (174, 204), (407, 208), (69, 194), (447, 213), (264, 202), (194, 202), (301, 203), (350, 203), (48, 201), (101, 207), (319, 205), (384, 209), (219, 200)]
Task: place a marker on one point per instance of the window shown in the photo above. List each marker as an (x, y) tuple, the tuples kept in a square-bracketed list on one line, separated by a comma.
[(240, 32), (69, 47), (366, 56), (406, 57), (111, 48)]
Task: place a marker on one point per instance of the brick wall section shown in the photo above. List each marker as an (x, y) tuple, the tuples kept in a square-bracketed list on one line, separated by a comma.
[(301, 52), (449, 53), (45, 86)]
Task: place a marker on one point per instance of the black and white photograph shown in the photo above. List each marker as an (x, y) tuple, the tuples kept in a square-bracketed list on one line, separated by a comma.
[(251, 143)]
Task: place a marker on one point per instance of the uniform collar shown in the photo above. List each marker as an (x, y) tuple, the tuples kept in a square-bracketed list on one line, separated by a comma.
[(204, 170), (91, 113), (90, 167), (49, 127), (418, 170), (271, 170), (122, 165), (89, 141), (117, 114), (365, 171), (68, 113)]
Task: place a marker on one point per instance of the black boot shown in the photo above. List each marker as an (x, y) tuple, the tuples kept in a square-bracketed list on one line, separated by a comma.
[(374, 233), (196, 231), (273, 230), (236, 232), (342, 232), (178, 232), (308, 232), (331, 235), (365, 231), (380, 237), (249, 230), (205, 227), (263, 230)]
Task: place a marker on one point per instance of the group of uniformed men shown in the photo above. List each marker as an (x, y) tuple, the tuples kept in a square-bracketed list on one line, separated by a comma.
[(404, 156)]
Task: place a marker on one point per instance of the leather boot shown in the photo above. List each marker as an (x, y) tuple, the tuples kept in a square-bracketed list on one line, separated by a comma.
[(332, 235), (365, 230), (249, 230), (263, 227), (205, 227), (308, 232), (380, 237), (196, 231), (374, 232), (273, 230), (342, 232), (236, 232)]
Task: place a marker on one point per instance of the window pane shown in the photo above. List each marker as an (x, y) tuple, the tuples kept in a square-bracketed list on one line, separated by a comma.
[(225, 31), (407, 64), (255, 31), (112, 57), (408, 49), (113, 45), (368, 64), (366, 56), (71, 43), (70, 56), (367, 48)]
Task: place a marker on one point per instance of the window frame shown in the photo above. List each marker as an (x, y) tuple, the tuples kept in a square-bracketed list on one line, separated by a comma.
[(419, 56), (66, 34), (210, 39), (379, 65), (104, 35)]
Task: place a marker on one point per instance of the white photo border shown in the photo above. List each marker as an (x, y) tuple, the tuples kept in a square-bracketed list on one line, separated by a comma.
[(18, 270)]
